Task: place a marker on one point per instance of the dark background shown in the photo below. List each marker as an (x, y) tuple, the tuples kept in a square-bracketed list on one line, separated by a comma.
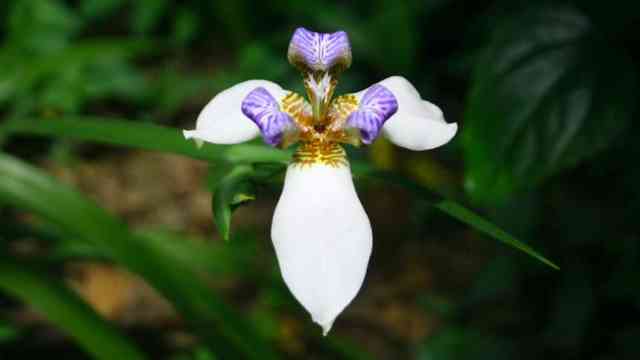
[(545, 95)]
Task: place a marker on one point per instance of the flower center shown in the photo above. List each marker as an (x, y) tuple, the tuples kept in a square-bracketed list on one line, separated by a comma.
[(321, 122)]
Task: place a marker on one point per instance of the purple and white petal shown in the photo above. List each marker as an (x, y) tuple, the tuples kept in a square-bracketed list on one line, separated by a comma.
[(222, 120), (263, 109), (376, 106), (418, 124), (319, 51)]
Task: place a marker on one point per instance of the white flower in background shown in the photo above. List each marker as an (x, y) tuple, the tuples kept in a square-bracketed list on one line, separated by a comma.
[(321, 233)]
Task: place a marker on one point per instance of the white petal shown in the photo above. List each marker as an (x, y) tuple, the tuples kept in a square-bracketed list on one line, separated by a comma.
[(222, 120), (322, 237), (417, 133), (418, 124)]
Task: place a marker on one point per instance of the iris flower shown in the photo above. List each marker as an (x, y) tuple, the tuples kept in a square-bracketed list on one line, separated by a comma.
[(320, 231)]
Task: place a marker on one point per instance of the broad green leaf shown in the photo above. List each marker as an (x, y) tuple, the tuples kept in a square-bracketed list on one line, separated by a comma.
[(225, 331), (233, 190), (549, 92), (66, 310)]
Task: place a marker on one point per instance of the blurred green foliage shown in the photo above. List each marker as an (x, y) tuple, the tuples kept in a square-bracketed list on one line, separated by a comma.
[(545, 94), (66, 310), (544, 99)]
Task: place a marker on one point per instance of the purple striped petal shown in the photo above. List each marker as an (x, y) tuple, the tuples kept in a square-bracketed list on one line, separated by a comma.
[(318, 51), (376, 106), (263, 109)]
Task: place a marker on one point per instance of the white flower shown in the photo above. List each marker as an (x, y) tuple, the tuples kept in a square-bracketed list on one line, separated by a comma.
[(320, 231)]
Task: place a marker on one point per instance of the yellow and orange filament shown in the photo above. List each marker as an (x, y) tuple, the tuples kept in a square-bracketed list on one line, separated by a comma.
[(321, 130), (320, 152)]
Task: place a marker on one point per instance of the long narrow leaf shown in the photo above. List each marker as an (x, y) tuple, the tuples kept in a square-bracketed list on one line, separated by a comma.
[(27, 187), (66, 310), (169, 140), (484, 226), (207, 258), (455, 210), (141, 136)]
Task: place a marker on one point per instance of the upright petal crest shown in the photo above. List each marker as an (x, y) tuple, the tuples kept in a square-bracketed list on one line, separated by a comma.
[(319, 52)]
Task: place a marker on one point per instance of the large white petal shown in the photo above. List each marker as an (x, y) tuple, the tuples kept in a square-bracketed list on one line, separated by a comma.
[(222, 120), (322, 237), (414, 132), (418, 124)]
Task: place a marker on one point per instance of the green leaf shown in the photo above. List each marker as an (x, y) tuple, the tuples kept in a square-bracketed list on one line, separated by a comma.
[(142, 136), (452, 209), (219, 326), (215, 258), (200, 256), (549, 93), (138, 135), (66, 310), (233, 190), (474, 220)]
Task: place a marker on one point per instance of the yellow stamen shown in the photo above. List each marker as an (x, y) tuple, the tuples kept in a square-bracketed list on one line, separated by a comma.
[(320, 152)]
